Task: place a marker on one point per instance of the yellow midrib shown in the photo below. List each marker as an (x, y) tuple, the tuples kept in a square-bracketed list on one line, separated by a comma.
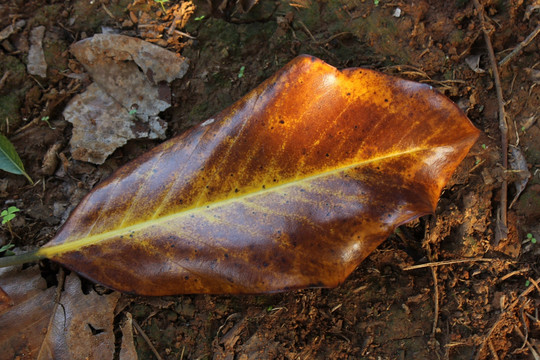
[(90, 240)]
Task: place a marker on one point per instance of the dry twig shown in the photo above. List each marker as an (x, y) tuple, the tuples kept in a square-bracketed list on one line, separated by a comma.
[(520, 47), (446, 262), (503, 127), (145, 337), (513, 273), (4, 79), (435, 300), (529, 346), (492, 350)]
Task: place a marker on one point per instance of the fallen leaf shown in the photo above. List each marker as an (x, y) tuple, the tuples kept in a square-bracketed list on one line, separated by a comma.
[(27, 329), (36, 56), (130, 90), (24, 324), (101, 125), (82, 328), (473, 61), (518, 163), (134, 72), (11, 29), (291, 187), (127, 349)]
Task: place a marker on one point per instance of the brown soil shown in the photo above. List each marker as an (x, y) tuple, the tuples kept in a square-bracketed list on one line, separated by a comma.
[(464, 310)]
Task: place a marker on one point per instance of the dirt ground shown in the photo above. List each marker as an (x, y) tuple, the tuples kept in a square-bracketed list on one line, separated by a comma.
[(483, 306)]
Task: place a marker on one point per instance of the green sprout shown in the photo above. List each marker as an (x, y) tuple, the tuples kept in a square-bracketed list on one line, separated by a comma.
[(531, 238), (161, 3), (199, 18), (527, 283), (241, 73), (484, 146), (376, 2), (9, 214), (7, 249), (132, 112), (46, 119)]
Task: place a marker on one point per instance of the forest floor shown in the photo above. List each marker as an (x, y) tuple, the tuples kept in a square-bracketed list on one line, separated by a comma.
[(474, 306)]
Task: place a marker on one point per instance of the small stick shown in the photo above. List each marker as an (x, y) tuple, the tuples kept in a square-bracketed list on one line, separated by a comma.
[(435, 300), (503, 126), (307, 31), (332, 38), (531, 348), (520, 47), (510, 274), (4, 78), (506, 311), (145, 337), (446, 262), (107, 11), (182, 354), (535, 283), (492, 350), (185, 34), (524, 321)]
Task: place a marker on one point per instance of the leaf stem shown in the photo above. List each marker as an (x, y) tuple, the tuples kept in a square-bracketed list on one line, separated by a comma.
[(20, 259)]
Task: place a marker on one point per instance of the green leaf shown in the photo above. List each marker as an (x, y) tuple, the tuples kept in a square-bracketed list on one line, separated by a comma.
[(13, 209), (241, 73), (10, 160), (8, 218), (6, 248)]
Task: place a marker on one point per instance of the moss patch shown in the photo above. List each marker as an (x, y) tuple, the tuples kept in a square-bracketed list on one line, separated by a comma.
[(9, 111)]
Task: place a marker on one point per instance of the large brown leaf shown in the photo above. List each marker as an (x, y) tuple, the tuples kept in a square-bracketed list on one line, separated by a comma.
[(291, 187)]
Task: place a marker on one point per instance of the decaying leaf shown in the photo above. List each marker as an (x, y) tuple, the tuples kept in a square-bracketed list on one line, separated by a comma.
[(101, 125), (127, 350), (27, 331), (130, 90), (36, 57), (518, 163), (291, 187), (23, 324), (82, 328)]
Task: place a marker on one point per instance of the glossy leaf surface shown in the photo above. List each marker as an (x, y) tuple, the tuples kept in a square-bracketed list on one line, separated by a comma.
[(291, 187)]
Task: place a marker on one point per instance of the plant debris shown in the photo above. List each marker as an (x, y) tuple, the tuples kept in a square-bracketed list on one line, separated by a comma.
[(131, 88)]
